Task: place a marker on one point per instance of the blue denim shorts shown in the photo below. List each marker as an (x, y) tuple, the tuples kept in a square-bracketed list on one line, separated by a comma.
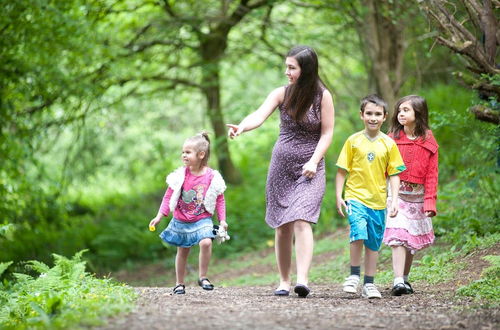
[(366, 224), (187, 234)]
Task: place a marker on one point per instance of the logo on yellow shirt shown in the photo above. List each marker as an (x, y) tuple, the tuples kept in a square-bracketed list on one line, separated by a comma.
[(370, 156)]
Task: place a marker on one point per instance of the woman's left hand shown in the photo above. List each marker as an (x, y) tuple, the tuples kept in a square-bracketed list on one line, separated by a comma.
[(309, 169)]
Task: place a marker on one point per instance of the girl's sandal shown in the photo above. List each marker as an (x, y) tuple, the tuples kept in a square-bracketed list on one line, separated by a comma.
[(205, 284), (180, 289)]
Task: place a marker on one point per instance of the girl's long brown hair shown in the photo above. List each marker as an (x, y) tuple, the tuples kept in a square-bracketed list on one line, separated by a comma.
[(419, 105), (300, 96)]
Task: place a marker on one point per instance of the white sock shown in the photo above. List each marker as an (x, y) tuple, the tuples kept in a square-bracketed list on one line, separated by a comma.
[(405, 278), (398, 280)]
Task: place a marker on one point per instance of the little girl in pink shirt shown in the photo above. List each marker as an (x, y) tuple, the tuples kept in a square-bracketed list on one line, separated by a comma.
[(195, 192)]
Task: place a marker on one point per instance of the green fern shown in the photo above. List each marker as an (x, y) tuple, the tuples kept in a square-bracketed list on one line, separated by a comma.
[(64, 296), (37, 266), (4, 266)]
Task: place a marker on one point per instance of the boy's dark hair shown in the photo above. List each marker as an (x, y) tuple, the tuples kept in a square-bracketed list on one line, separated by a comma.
[(375, 99), (300, 95), (419, 106)]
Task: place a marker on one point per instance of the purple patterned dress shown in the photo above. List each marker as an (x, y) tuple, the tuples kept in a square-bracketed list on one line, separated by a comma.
[(289, 195)]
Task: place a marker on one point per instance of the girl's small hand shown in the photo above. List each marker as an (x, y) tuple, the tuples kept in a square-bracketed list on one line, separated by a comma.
[(154, 222), (234, 130), (309, 169), (393, 210), (223, 224), (430, 214), (341, 206)]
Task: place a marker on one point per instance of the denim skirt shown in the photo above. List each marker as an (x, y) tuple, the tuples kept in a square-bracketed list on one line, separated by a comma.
[(187, 234)]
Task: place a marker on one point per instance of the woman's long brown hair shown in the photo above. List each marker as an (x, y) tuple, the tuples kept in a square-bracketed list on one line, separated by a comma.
[(300, 96)]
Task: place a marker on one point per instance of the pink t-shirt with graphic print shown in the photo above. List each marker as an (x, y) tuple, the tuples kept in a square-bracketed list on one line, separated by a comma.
[(190, 207)]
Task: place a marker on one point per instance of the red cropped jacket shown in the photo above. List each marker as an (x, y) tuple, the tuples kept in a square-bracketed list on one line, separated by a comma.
[(421, 159)]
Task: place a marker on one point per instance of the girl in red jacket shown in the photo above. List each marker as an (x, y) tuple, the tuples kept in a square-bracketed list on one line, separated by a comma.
[(411, 230)]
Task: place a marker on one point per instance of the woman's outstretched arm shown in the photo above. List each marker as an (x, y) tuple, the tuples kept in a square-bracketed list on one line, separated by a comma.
[(256, 118)]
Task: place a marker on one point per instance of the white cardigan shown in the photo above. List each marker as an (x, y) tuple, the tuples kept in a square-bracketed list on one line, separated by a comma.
[(176, 179)]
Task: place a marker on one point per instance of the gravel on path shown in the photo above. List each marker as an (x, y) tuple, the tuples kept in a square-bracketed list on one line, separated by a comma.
[(327, 307)]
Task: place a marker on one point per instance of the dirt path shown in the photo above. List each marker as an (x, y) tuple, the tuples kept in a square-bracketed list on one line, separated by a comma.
[(326, 308)]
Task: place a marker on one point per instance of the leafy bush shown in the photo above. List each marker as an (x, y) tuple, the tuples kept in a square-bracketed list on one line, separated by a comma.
[(60, 297), (469, 181)]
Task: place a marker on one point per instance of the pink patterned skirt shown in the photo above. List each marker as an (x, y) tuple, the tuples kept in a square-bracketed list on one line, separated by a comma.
[(410, 228)]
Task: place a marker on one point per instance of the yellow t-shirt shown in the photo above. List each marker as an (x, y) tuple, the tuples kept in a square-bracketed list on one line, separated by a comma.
[(368, 162)]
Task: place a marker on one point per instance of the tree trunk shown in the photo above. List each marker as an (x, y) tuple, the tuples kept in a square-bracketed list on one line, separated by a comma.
[(383, 40), (211, 91)]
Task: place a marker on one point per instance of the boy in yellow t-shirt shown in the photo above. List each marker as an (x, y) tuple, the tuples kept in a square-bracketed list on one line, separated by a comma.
[(367, 157)]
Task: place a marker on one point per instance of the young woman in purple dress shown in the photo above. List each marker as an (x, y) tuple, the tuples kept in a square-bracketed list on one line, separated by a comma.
[(296, 178)]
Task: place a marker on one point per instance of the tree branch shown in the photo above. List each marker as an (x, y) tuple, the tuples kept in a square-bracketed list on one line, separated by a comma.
[(457, 26), (160, 77), (486, 114), (308, 5), (31, 110), (265, 23), (129, 10), (193, 22), (462, 41), (241, 11), (168, 9), (473, 4), (140, 47), (139, 33), (259, 3), (472, 11)]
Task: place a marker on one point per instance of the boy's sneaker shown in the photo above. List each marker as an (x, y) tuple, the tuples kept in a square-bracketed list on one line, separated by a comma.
[(399, 289), (370, 291), (409, 289), (351, 284)]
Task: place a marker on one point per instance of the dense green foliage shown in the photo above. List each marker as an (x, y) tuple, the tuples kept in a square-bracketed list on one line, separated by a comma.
[(469, 188), (47, 64), (59, 297)]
